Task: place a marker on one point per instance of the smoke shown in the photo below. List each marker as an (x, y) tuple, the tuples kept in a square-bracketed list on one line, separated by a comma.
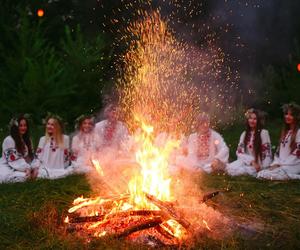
[(252, 35)]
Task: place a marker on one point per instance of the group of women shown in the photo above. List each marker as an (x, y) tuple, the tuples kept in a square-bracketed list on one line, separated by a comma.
[(205, 150)]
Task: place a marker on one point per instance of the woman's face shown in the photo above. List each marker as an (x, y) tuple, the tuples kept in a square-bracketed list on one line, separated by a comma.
[(50, 127), (252, 121), (87, 125), (22, 127), (112, 115), (203, 126), (289, 118)]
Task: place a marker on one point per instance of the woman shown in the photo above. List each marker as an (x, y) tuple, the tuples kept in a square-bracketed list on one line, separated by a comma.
[(84, 144), (286, 164), (53, 150), (204, 150), (112, 134), (112, 144), (17, 153), (254, 149)]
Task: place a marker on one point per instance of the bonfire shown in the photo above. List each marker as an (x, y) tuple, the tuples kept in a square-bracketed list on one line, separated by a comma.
[(148, 210)]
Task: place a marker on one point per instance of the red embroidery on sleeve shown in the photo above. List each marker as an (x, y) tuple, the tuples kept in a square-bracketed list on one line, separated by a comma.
[(12, 157)]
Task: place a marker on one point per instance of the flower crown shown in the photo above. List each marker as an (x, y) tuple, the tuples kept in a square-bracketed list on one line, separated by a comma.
[(261, 114), (55, 116), (295, 107), (81, 118), (14, 121)]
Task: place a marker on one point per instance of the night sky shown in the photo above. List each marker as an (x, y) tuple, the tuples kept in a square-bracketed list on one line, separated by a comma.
[(256, 32)]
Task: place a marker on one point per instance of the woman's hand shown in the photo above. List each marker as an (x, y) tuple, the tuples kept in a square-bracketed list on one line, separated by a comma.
[(28, 172), (256, 166), (274, 166)]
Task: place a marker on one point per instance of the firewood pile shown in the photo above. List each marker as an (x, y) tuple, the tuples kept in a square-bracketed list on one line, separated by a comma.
[(114, 217)]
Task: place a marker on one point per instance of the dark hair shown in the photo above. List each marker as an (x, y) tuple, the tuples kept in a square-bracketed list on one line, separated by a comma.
[(79, 121), (14, 132), (295, 110), (257, 138)]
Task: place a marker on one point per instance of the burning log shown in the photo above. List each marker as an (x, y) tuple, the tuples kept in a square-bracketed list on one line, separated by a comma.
[(209, 196), (100, 203), (169, 210), (153, 222), (164, 232), (85, 219)]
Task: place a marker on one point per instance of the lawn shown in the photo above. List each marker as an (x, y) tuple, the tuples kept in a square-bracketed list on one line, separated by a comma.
[(31, 214)]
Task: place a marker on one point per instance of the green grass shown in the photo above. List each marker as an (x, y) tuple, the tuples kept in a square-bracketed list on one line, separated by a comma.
[(31, 214)]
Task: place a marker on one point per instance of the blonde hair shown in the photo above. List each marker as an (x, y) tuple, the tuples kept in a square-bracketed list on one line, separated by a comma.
[(58, 134)]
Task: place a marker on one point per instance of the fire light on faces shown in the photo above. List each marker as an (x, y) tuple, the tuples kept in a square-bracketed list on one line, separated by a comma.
[(298, 67)]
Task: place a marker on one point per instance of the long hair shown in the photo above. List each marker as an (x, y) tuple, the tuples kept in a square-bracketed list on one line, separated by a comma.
[(21, 140), (58, 134), (295, 111), (257, 137)]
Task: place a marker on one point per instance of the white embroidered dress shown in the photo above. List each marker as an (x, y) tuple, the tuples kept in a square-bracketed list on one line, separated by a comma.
[(203, 150), (242, 166), (112, 143), (53, 160), (117, 139), (84, 148), (12, 163), (289, 162)]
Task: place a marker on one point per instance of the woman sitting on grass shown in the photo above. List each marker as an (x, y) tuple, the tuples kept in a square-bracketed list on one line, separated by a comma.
[(286, 164), (254, 149), (84, 144), (204, 150), (17, 153), (53, 150), (112, 134)]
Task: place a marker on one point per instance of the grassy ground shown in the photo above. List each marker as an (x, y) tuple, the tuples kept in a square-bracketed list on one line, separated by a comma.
[(31, 213)]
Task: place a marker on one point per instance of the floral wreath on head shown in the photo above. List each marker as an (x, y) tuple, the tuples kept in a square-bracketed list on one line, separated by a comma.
[(261, 114), (81, 118), (295, 107), (55, 116), (203, 117), (14, 120)]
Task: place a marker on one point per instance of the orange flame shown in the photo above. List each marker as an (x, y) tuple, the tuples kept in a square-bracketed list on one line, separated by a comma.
[(154, 178)]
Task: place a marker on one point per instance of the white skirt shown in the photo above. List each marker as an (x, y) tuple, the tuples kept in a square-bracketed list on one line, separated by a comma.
[(54, 173), (238, 167), (281, 173)]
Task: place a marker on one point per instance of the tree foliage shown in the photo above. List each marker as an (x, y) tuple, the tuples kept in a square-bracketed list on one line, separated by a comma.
[(38, 75)]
